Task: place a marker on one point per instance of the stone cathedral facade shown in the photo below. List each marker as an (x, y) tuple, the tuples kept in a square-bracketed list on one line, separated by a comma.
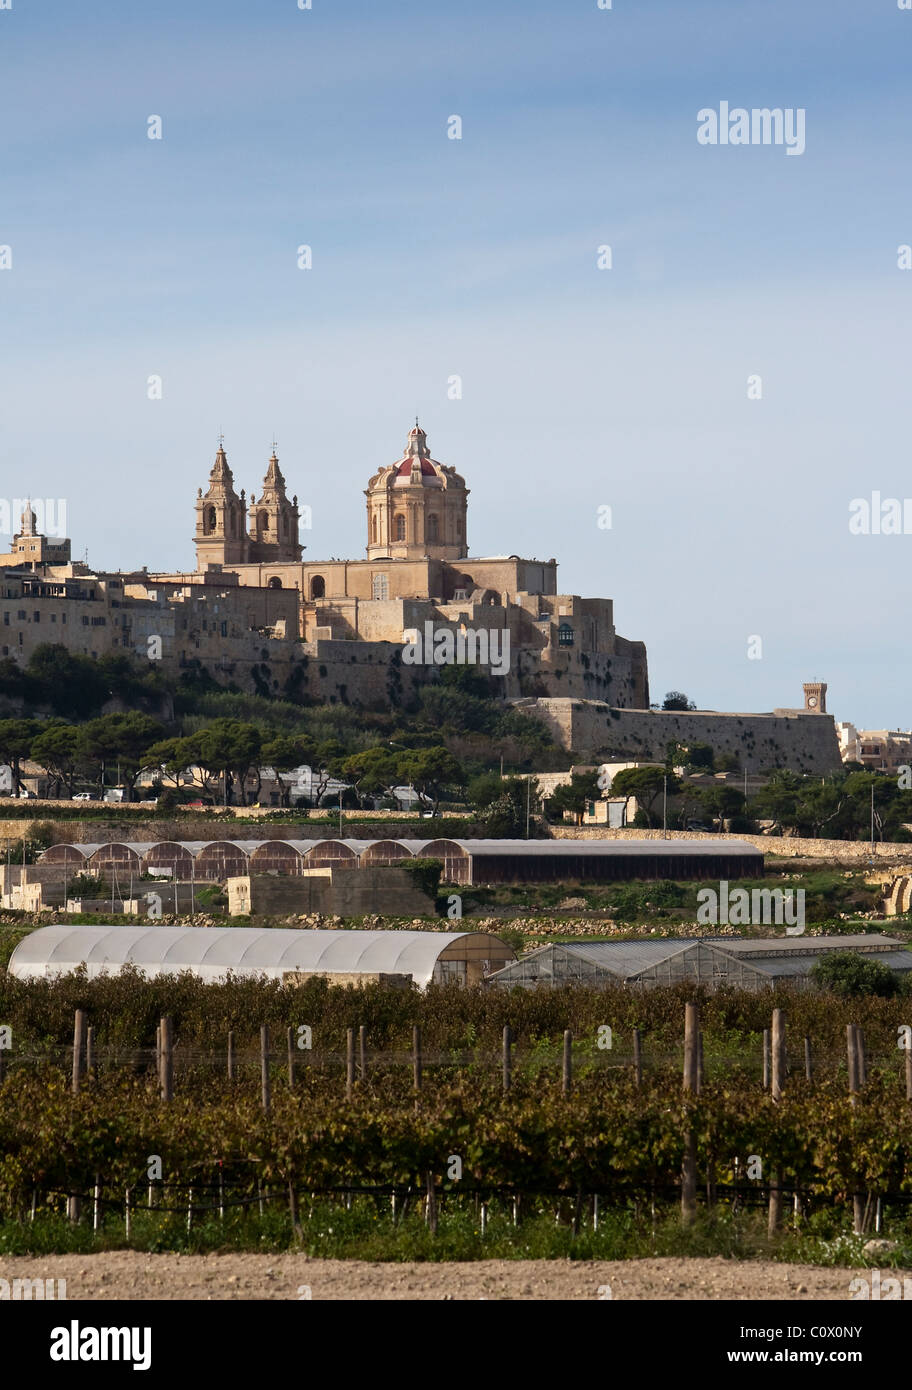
[(417, 570)]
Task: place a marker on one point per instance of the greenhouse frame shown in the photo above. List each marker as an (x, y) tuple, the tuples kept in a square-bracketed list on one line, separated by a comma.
[(465, 862), (740, 963)]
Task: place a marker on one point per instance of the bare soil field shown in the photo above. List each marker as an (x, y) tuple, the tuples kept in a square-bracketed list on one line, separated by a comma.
[(127, 1274)]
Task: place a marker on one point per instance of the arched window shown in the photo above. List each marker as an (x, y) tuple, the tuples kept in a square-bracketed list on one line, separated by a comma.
[(400, 527), (318, 586), (374, 528), (262, 523), (275, 582), (432, 528), (210, 521)]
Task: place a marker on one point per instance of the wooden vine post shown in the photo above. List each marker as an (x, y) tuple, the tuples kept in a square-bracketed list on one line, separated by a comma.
[(74, 1205), (79, 1042), (689, 1167), (854, 1059), (777, 1081), (637, 1057), (166, 1060), (567, 1068), (264, 1066), (416, 1058)]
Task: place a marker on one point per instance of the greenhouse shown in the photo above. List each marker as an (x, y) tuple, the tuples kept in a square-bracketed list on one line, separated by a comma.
[(740, 963), (212, 953), (469, 862)]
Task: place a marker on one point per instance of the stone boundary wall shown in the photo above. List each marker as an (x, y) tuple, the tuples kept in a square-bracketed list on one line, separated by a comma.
[(75, 832), (784, 846)]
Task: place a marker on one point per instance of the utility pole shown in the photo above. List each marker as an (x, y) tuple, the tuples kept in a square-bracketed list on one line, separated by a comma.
[(528, 800), (872, 816), (340, 813), (665, 807)]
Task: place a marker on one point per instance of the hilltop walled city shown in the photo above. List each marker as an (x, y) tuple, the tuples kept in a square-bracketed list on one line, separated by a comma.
[(258, 616)]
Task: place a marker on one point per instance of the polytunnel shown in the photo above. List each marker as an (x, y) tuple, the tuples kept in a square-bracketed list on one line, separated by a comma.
[(212, 953)]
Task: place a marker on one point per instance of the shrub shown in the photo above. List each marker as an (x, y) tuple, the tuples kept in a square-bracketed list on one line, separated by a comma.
[(851, 973), (426, 873)]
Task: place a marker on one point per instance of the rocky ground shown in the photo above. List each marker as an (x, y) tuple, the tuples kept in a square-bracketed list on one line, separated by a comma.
[(126, 1274)]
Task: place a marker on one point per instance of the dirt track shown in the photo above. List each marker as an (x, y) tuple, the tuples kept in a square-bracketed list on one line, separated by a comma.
[(128, 1275)]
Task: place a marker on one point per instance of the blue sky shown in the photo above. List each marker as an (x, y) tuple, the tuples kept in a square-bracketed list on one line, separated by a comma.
[(435, 257)]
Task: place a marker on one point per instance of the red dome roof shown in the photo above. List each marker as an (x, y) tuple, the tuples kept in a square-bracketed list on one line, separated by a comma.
[(427, 468)]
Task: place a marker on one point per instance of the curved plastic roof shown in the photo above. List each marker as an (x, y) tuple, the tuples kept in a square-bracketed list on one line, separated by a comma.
[(479, 848), (211, 952)]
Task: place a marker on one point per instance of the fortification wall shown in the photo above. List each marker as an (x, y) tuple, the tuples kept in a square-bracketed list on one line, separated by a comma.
[(595, 731)]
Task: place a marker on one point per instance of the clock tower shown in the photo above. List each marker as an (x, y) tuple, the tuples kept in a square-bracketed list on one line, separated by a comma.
[(815, 697)]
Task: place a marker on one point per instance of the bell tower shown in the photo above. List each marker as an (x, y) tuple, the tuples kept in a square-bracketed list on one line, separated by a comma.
[(221, 537), (273, 520)]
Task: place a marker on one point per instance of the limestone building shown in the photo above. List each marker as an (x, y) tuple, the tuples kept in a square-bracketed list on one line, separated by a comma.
[(257, 616), (417, 570), (31, 549), (881, 750)]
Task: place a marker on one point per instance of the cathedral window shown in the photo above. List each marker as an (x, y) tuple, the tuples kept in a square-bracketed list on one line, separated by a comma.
[(210, 521), (374, 530), (380, 586), (400, 527), (275, 582), (318, 586), (432, 525), (263, 523)]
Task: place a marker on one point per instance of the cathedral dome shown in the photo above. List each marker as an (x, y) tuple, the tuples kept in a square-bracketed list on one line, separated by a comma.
[(416, 507), (405, 468)]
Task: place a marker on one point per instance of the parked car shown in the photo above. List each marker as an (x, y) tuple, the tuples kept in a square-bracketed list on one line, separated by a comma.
[(84, 796)]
